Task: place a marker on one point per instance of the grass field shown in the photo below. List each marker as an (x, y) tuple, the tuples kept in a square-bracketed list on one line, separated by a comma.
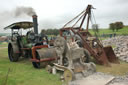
[(3, 44), (23, 73), (123, 31)]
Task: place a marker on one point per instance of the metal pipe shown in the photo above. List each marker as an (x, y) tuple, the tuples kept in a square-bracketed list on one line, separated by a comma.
[(43, 60), (35, 24)]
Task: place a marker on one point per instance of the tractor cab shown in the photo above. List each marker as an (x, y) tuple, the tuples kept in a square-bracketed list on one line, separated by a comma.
[(29, 39), (67, 33)]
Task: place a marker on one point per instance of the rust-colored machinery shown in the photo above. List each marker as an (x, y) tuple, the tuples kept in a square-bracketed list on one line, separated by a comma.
[(102, 55)]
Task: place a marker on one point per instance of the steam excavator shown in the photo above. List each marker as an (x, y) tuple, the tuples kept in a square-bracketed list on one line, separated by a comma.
[(76, 45), (102, 55)]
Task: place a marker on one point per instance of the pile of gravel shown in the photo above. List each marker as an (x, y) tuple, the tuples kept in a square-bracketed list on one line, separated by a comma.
[(120, 44)]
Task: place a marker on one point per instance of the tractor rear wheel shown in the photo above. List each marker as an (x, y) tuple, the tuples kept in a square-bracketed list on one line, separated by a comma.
[(14, 57)]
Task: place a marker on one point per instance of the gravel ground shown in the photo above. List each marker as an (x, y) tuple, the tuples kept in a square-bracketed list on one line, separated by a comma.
[(99, 78)]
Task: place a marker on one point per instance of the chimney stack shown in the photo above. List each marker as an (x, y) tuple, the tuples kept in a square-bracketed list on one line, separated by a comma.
[(35, 24)]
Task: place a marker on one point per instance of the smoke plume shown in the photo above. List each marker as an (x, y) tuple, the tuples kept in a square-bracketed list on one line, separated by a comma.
[(15, 15), (29, 11)]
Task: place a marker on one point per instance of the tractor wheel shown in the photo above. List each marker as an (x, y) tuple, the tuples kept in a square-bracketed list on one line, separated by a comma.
[(14, 57), (37, 64)]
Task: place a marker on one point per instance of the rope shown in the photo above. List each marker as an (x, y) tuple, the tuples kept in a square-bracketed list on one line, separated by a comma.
[(95, 27), (93, 17)]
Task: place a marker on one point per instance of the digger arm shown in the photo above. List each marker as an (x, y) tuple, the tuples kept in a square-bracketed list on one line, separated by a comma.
[(88, 11)]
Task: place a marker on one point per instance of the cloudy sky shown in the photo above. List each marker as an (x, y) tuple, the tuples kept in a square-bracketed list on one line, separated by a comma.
[(55, 13)]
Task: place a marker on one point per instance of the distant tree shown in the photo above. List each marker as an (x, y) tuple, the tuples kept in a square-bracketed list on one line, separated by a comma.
[(118, 25), (112, 26), (50, 31), (43, 31)]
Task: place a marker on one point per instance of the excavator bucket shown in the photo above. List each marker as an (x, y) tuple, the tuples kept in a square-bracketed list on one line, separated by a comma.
[(110, 54), (107, 56), (102, 59)]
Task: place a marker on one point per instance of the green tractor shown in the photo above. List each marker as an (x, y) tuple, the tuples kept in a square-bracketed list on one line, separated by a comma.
[(21, 45)]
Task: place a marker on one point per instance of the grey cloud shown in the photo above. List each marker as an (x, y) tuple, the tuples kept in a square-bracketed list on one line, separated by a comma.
[(57, 22), (18, 14), (24, 10)]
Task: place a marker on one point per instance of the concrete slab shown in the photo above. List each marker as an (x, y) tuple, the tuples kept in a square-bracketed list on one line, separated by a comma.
[(118, 84), (93, 80)]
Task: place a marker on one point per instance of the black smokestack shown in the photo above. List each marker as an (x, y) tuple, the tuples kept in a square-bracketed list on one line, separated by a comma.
[(35, 24)]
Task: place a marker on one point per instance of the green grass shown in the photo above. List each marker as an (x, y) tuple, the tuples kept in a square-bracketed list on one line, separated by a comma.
[(23, 73), (3, 44), (123, 31)]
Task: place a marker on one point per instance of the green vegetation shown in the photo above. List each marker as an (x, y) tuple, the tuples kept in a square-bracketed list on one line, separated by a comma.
[(116, 26), (50, 31), (123, 31), (3, 44), (23, 73)]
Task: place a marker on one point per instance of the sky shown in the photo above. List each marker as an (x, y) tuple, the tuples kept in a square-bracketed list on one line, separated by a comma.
[(55, 13)]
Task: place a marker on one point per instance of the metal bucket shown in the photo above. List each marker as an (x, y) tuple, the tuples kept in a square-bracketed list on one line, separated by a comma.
[(105, 56), (110, 54)]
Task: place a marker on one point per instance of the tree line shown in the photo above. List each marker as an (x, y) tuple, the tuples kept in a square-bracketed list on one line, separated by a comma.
[(50, 31), (116, 26), (112, 26)]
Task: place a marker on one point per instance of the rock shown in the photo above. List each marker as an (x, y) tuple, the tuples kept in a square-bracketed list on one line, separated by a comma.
[(120, 44)]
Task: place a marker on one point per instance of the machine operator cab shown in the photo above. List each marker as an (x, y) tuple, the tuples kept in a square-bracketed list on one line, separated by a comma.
[(28, 40)]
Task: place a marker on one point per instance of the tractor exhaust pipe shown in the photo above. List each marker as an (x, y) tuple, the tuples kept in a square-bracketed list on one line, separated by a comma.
[(35, 24)]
